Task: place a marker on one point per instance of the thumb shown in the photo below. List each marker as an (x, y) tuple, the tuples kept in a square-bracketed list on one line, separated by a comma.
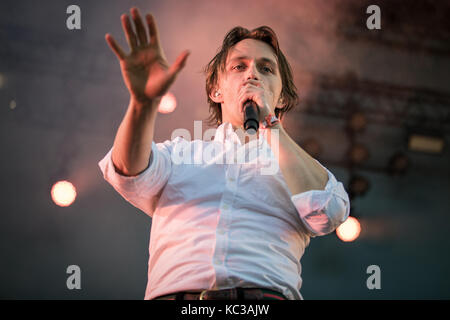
[(172, 72), (179, 63)]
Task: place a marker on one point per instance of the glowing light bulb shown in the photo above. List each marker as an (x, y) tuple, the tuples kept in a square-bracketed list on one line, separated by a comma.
[(63, 193), (168, 103), (349, 230), (2, 80)]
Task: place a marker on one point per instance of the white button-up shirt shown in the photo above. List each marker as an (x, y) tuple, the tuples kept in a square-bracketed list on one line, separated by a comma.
[(222, 224)]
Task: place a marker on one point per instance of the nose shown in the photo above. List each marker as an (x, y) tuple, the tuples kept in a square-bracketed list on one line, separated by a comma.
[(252, 72)]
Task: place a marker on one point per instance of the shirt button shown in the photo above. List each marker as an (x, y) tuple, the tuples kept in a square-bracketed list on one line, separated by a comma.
[(221, 231), (217, 261), (231, 179), (225, 207)]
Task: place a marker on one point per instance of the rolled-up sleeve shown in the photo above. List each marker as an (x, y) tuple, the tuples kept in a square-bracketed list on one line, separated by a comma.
[(322, 211), (142, 190)]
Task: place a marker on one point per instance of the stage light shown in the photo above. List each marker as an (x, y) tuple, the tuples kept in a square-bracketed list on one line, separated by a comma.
[(12, 104), (358, 186), (63, 193), (2, 80), (433, 144), (357, 122), (168, 103), (349, 230), (358, 154), (398, 164)]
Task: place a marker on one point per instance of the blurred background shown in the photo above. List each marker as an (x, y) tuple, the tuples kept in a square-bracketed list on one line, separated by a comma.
[(374, 110)]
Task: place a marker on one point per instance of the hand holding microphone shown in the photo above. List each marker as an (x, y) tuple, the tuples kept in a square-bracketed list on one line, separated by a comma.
[(256, 107), (251, 117)]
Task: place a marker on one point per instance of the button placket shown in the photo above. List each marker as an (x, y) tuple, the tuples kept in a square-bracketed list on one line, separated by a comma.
[(225, 206), (225, 215)]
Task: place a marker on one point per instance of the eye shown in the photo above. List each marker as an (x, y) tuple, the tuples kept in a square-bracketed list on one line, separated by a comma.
[(239, 67), (267, 69)]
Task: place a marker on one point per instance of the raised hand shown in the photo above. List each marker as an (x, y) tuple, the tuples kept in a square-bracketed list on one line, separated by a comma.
[(145, 70)]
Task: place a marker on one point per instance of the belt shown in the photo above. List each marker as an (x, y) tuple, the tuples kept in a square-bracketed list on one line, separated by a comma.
[(226, 294)]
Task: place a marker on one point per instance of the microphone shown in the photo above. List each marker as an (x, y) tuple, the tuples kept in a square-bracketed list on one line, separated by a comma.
[(251, 117)]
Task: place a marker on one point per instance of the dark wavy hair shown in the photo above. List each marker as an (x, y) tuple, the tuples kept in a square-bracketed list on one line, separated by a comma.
[(288, 96)]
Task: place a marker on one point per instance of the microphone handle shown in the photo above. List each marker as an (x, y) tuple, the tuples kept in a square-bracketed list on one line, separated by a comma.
[(251, 117)]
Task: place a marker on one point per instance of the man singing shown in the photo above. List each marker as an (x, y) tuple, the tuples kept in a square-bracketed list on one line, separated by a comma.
[(221, 229)]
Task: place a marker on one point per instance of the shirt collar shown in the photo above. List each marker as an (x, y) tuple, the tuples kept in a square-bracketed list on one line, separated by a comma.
[(225, 133)]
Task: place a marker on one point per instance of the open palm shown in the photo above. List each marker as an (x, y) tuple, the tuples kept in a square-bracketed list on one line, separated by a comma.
[(145, 70)]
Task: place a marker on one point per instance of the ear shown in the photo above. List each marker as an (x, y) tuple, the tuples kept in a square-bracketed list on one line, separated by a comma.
[(216, 95), (280, 104)]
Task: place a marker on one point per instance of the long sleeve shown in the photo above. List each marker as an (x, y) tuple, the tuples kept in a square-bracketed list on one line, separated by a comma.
[(142, 190), (322, 211)]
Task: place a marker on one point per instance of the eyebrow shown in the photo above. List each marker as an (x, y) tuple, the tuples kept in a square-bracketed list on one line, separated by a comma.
[(270, 61)]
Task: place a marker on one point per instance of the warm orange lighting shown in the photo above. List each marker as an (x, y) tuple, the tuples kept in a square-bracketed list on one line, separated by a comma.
[(349, 230), (2, 80), (63, 193), (427, 144), (168, 103)]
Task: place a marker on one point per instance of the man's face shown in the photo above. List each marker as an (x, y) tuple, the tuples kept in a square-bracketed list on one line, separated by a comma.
[(248, 60)]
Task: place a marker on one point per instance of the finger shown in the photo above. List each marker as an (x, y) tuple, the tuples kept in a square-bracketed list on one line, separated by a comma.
[(254, 82), (176, 67), (242, 98), (129, 33), (245, 96), (153, 30), (179, 63), (140, 29), (115, 47)]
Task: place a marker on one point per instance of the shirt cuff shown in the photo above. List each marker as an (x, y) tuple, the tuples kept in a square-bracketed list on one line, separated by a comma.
[(322, 211), (130, 184)]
